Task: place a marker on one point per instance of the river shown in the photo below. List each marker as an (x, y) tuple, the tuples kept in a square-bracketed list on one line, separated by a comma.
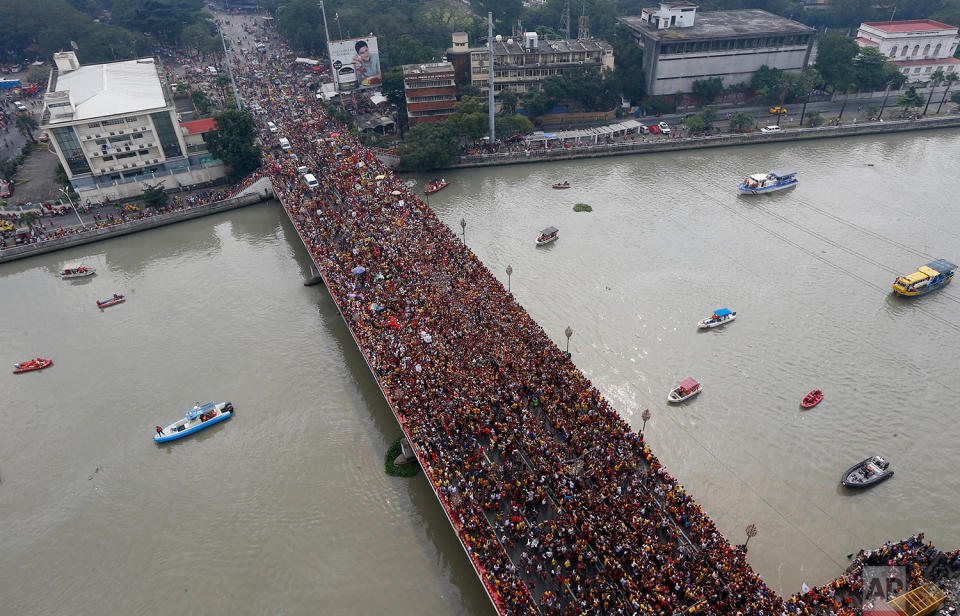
[(285, 509)]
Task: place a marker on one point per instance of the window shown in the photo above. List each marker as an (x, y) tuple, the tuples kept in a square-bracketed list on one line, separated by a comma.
[(928, 69), (166, 135), (120, 139), (132, 120), (936, 50), (70, 147), (112, 122), (893, 51), (126, 155), (93, 125), (916, 49), (903, 51), (926, 50), (100, 141), (916, 70)]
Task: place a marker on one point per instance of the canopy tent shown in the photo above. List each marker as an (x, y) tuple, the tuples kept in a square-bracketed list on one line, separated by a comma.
[(721, 312), (199, 410), (941, 266), (689, 384), (358, 270), (782, 173), (592, 134), (549, 231)]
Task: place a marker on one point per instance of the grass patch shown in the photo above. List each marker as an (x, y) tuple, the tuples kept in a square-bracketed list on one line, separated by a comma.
[(582, 207), (407, 470)]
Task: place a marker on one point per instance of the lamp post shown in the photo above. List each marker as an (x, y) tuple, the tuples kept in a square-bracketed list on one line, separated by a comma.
[(463, 226), (751, 532), (645, 416), (67, 195), (509, 273), (568, 332)]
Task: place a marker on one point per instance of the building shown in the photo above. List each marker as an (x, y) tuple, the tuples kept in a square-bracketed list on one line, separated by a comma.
[(430, 91), (115, 126), (521, 66), (918, 46), (681, 46)]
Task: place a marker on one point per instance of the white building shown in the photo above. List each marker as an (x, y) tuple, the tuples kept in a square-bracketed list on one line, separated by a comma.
[(917, 46), (681, 46), (114, 126)]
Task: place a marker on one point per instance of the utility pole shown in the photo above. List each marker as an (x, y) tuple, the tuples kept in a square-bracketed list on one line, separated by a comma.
[(565, 20), (226, 56), (490, 101)]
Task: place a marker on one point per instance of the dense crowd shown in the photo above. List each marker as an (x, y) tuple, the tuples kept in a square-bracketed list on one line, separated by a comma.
[(562, 508)]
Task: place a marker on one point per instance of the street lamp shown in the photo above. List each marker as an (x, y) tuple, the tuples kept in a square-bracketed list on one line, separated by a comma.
[(463, 226), (67, 195), (645, 416), (751, 532), (568, 332), (509, 273)]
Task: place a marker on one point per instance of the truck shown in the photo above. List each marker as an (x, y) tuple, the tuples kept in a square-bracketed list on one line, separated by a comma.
[(9, 84)]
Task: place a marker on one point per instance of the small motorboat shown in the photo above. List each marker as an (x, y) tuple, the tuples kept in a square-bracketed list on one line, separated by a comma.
[(547, 235), (929, 277), (812, 399), (76, 270), (29, 366), (869, 472), (436, 186), (562, 185), (760, 183), (113, 301), (196, 419), (721, 316), (687, 389)]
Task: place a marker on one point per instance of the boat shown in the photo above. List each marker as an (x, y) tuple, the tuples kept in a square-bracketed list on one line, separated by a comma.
[(812, 399), (562, 185), (869, 472), (76, 270), (113, 301), (436, 186), (196, 419), (929, 277), (721, 316), (31, 365), (547, 235), (768, 182), (687, 389)]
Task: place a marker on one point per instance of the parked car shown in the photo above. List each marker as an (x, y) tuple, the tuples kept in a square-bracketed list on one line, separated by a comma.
[(271, 127), (664, 128), (20, 106), (770, 129), (44, 137), (654, 129), (777, 110), (6, 189)]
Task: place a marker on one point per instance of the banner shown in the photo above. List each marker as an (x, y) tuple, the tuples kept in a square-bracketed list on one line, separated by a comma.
[(356, 63)]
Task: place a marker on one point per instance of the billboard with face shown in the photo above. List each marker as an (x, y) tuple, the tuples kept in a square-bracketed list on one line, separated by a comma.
[(356, 63)]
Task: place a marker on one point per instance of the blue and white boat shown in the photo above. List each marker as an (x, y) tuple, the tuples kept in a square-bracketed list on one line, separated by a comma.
[(760, 183), (721, 316), (199, 417)]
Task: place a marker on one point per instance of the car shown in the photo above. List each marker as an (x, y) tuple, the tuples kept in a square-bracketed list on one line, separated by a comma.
[(271, 127), (664, 128), (777, 110), (44, 137), (770, 129), (6, 189), (20, 106), (654, 129)]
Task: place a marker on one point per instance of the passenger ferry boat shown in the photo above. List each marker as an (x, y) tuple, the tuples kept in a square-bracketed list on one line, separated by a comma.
[(687, 389), (721, 316), (76, 270), (929, 277), (768, 182), (547, 235), (196, 419)]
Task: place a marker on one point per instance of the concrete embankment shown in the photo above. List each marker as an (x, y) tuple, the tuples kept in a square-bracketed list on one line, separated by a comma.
[(260, 190), (712, 141)]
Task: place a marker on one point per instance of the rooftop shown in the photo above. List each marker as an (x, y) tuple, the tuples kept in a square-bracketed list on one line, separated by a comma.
[(909, 25), (864, 41), (925, 62), (722, 24), (110, 89), (426, 69), (200, 126), (507, 47)]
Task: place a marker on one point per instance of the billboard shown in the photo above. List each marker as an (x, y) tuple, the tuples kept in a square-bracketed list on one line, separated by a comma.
[(355, 63)]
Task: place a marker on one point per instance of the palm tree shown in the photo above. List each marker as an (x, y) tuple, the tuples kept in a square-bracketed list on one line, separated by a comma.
[(935, 79), (950, 78), (28, 217), (26, 124)]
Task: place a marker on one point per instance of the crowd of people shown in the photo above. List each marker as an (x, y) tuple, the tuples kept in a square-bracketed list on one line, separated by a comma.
[(560, 506)]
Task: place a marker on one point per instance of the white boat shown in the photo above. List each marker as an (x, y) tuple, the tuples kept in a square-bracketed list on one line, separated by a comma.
[(547, 235), (759, 183), (721, 316), (199, 417), (687, 389), (76, 270)]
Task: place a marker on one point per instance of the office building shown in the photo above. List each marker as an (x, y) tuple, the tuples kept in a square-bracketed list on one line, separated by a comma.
[(918, 46), (430, 91)]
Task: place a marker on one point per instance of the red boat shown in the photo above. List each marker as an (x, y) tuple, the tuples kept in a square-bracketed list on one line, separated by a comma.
[(29, 366), (561, 186), (113, 301), (436, 185), (812, 399)]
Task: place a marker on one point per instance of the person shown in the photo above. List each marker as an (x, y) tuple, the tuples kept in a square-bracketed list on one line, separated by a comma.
[(366, 64), (159, 430)]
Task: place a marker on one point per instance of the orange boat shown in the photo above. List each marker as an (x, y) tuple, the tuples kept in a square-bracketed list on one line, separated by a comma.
[(29, 366)]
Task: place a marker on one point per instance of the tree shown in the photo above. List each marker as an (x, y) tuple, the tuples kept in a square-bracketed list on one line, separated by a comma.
[(201, 102), (201, 36), (154, 196), (470, 118), (870, 67), (26, 124), (28, 217), (232, 142), (508, 101), (872, 111), (708, 89), (935, 79), (910, 99), (814, 118), (510, 125), (695, 123), (629, 64), (8, 168), (38, 74), (955, 98), (431, 145), (505, 12), (741, 120), (538, 103), (950, 78), (835, 54)]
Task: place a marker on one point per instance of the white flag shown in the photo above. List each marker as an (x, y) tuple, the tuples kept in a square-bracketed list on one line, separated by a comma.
[(804, 588)]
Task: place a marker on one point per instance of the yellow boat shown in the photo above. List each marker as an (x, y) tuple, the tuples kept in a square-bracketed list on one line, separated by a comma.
[(919, 601), (929, 277)]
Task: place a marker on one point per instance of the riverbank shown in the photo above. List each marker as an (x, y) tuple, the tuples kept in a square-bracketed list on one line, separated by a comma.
[(260, 190), (709, 141)]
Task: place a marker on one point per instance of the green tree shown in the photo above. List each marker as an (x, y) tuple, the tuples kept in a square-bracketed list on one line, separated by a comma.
[(538, 103), (508, 101), (201, 102), (708, 89), (470, 118), (509, 125), (26, 124), (505, 12), (232, 142), (935, 80), (695, 123), (740, 121), (814, 118), (872, 110), (949, 79), (629, 63), (955, 97), (28, 217), (154, 196), (8, 169), (38, 74), (910, 99), (870, 65), (835, 55), (431, 145), (201, 36)]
